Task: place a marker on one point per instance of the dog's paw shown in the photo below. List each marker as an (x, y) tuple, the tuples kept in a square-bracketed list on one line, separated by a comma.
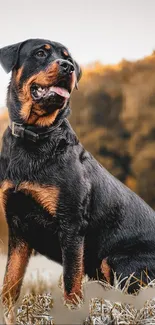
[(73, 300)]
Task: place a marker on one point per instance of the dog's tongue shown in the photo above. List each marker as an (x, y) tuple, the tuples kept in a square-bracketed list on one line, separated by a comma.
[(60, 91)]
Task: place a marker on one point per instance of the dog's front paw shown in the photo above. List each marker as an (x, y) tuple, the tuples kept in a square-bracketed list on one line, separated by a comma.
[(73, 300)]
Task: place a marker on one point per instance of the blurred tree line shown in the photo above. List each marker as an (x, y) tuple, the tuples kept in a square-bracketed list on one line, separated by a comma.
[(113, 114)]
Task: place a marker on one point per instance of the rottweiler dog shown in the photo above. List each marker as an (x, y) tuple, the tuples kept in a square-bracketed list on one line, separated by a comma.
[(57, 198)]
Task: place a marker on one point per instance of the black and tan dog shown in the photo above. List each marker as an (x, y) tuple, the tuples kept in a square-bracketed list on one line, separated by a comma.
[(58, 199)]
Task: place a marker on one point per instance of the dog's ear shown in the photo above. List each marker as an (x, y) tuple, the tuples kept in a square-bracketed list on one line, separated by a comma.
[(78, 71), (9, 56)]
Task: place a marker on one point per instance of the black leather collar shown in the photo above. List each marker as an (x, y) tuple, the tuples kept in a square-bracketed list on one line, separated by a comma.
[(35, 133), (31, 133)]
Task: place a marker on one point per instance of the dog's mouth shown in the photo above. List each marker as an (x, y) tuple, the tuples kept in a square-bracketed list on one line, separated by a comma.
[(60, 91)]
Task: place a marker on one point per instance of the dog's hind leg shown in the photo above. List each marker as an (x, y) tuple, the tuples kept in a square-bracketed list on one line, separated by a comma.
[(133, 271), (18, 257)]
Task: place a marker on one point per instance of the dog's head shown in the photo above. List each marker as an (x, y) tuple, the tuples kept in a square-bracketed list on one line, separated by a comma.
[(44, 75)]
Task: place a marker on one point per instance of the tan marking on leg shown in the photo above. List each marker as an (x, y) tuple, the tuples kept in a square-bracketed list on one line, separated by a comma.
[(47, 196), (105, 269), (16, 266), (77, 280)]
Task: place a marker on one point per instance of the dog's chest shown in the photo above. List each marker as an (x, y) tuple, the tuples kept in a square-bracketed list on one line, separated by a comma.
[(45, 195)]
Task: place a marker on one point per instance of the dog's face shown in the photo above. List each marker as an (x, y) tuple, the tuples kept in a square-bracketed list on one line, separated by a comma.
[(44, 76)]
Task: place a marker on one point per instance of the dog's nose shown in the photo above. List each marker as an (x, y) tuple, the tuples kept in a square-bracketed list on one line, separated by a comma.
[(66, 66)]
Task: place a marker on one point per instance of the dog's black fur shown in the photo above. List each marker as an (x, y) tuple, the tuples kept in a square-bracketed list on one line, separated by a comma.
[(97, 223)]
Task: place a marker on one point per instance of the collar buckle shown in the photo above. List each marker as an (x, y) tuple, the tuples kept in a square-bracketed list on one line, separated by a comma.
[(17, 129)]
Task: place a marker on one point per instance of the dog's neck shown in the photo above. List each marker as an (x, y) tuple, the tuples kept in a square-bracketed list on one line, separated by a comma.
[(13, 104)]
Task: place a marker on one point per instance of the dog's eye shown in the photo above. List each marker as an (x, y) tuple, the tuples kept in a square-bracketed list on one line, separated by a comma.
[(41, 54)]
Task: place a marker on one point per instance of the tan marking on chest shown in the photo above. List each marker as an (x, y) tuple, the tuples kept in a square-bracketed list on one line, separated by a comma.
[(4, 187), (47, 196)]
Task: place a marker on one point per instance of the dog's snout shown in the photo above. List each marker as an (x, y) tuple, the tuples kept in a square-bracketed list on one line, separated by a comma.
[(66, 66)]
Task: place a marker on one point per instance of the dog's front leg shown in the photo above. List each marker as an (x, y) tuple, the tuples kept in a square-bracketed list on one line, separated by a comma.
[(18, 257), (72, 247)]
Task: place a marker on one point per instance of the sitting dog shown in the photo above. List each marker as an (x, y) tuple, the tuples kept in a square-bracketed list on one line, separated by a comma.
[(57, 198)]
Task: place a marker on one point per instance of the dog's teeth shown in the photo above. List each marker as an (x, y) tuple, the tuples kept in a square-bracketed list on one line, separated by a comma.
[(43, 91)]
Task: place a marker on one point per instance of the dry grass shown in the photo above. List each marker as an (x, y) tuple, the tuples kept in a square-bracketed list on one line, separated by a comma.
[(41, 279), (35, 310), (105, 312), (42, 303)]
